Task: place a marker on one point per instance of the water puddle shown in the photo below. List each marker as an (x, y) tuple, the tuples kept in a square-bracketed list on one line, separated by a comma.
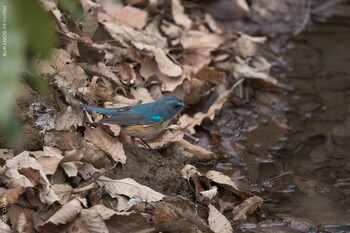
[(295, 154)]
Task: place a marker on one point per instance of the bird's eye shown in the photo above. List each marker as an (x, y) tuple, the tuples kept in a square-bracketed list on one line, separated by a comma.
[(176, 105)]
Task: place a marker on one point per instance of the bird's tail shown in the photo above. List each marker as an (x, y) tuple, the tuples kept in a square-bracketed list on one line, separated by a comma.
[(106, 111)]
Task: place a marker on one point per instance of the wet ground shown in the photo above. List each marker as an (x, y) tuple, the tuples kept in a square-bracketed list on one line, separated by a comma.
[(299, 164)]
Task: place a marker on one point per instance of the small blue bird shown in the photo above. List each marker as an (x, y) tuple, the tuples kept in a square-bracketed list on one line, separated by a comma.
[(144, 120)]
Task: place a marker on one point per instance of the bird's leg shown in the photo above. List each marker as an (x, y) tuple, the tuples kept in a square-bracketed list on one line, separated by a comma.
[(133, 143), (149, 147)]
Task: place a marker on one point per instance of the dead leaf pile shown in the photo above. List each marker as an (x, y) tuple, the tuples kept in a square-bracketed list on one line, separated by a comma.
[(114, 55)]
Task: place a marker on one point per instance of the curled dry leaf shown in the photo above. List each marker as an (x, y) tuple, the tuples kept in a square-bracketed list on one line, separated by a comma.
[(260, 69), (176, 214), (197, 153), (247, 207), (63, 191), (212, 75), (190, 122), (130, 188), (189, 170), (28, 166), (69, 117), (11, 195), (149, 69), (94, 221), (131, 16), (209, 194), (179, 15), (227, 183), (166, 65), (106, 143), (126, 73), (66, 72), (141, 94), (165, 139), (218, 223), (71, 168), (48, 159), (247, 46), (66, 214), (125, 35)]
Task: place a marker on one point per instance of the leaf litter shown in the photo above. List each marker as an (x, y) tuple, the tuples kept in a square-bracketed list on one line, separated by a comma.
[(126, 54)]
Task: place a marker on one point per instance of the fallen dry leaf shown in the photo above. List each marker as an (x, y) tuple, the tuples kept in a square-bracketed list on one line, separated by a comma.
[(259, 69), (190, 122), (106, 143), (130, 188), (67, 118), (126, 73), (71, 168), (212, 75), (49, 159), (131, 16), (247, 46), (176, 214), (227, 183), (165, 64), (66, 72), (165, 139), (179, 15), (93, 221), (218, 223), (197, 153), (63, 191), (209, 194), (189, 170), (29, 166), (248, 206), (150, 69), (66, 214)]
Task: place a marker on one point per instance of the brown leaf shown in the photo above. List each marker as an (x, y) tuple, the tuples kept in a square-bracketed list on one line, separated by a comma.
[(179, 15), (247, 207), (131, 16), (48, 159), (71, 168), (106, 143), (212, 75), (69, 117), (258, 68), (227, 183), (190, 122), (66, 214), (247, 46), (176, 214), (130, 188), (11, 196), (63, 191), (149, 69), (127, 73), (197, 153), (64, 69), (166, 65), (218, 223), (28, 166), (165, 139), (94, 222)]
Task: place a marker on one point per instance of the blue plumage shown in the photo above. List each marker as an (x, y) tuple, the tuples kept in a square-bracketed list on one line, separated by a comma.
[(144, 120)]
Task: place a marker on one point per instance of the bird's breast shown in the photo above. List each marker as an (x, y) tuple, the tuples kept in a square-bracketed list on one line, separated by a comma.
[(145, 131)]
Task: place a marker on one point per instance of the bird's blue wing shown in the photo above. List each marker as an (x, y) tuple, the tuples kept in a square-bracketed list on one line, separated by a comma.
[(133, 117)]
